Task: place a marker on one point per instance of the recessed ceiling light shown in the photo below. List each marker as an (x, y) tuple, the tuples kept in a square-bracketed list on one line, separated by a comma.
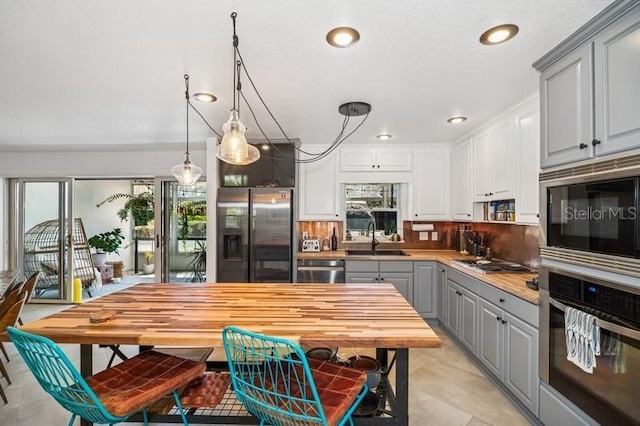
[(384, 136), (265, 147), (456, 120), (499, 34), (343, 37), (205, 97)]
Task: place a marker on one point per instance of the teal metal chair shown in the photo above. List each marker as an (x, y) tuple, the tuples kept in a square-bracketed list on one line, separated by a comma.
[(112, 395), (276, 382)]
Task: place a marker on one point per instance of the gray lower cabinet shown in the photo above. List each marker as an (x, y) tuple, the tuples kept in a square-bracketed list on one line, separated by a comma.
[(509, 349), (425, 290), (500, 329), (440, 278), (398, 273), (556, 410), (461, 313)]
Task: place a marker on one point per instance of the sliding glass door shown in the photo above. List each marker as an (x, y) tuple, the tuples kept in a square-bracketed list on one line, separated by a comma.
[(183, 222), (47, 237)]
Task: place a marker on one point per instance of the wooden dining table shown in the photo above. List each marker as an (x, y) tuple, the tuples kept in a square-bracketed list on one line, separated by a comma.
[(313, 315)]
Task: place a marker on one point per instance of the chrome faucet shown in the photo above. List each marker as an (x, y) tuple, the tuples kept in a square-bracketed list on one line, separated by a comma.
[(374, 242)]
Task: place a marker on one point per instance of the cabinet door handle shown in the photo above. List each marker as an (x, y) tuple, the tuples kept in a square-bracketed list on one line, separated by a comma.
[(595, 142), (378, 165), (373, 166), (468, 214), (381, 279), (501, 300), (498, 318), (503, 321), (583, 146)]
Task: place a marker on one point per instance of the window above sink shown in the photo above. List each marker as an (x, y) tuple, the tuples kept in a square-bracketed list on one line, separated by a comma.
[(371, 202)]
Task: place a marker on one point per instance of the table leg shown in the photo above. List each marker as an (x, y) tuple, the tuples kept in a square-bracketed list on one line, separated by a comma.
[(402, 385), (86, 369)]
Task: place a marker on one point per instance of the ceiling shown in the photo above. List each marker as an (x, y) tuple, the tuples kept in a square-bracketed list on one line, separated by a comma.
[(86, 72)]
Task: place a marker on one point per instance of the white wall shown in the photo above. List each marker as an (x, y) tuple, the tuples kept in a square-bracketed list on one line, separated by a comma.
[(96, 220), (105, 161)]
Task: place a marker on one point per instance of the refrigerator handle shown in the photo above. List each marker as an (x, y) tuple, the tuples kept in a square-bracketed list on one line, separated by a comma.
[(157, 240)]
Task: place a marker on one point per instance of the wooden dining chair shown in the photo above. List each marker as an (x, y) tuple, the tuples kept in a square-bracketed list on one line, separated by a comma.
[(29, 286), (112, 395), (10, 311), (10, 298), (276, 382)]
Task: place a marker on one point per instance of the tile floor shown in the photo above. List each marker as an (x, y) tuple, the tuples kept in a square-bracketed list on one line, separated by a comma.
[(446, 388)]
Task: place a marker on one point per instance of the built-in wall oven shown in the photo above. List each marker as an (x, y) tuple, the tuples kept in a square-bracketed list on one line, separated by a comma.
[(610, 393)]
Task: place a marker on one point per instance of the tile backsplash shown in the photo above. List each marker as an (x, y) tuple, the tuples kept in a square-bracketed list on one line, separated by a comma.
[(515, 243)]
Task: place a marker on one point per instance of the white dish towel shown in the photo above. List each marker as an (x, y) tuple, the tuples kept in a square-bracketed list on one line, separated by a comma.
[(583, 338)]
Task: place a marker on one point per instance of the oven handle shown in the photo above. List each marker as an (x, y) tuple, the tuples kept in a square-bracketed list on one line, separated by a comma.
[(614, 328)]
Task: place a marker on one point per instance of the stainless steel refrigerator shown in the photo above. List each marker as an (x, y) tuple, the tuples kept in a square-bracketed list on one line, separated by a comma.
[(254, 235)]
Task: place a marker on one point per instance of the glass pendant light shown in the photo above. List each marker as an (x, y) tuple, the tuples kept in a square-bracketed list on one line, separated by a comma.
[(234, 148), (186, 173)]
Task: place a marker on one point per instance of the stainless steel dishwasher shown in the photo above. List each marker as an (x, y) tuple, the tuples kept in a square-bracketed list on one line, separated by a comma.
[(320, 271)]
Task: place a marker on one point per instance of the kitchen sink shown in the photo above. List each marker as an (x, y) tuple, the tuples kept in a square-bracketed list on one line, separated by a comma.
[(376, 253)]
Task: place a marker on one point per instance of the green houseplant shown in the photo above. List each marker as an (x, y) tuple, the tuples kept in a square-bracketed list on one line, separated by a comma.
[(140, 207), (105, 243)]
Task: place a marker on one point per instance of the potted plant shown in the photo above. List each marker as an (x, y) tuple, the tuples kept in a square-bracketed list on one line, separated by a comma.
[(140, 207), (105, 243), (147, 268)]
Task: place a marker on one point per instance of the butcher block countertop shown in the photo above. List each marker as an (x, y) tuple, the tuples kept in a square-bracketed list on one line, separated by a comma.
[(511, 283), (340, 315)]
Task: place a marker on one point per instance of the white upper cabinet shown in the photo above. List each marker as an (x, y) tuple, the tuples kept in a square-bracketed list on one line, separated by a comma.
[(493, 162), (431, 184), (527, 139), (375, 159), (318, 194), (590, 94), (461, 168)]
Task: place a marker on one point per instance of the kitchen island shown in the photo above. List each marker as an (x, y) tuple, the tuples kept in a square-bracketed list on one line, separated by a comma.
[(337, 315)]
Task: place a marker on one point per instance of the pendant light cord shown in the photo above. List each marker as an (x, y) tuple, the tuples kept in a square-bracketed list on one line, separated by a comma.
[(186, 95), (236, 69)]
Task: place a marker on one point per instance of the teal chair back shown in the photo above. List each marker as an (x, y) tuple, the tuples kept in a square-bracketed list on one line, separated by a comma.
[(273, 380), (59, 377)]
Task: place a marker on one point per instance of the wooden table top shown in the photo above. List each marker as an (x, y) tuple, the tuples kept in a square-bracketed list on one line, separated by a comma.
[(335, 315)]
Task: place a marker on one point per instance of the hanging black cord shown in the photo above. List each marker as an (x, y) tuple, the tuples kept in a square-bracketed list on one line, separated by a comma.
[(321, 155), (237, 93), (235, 58), (186, 95)]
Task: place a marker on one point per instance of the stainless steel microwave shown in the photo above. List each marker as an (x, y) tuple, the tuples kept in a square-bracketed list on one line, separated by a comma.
[(593, 213)]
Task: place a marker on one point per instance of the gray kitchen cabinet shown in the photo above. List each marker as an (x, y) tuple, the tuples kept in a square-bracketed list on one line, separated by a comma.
[(617, 86), (509, 349), (555, 409), (460, 317), (318, 192), (440, 278), (425, 290), (500, 329), (398, 273), (590, 94), (521, 361), (565, 103), (431, 184)]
